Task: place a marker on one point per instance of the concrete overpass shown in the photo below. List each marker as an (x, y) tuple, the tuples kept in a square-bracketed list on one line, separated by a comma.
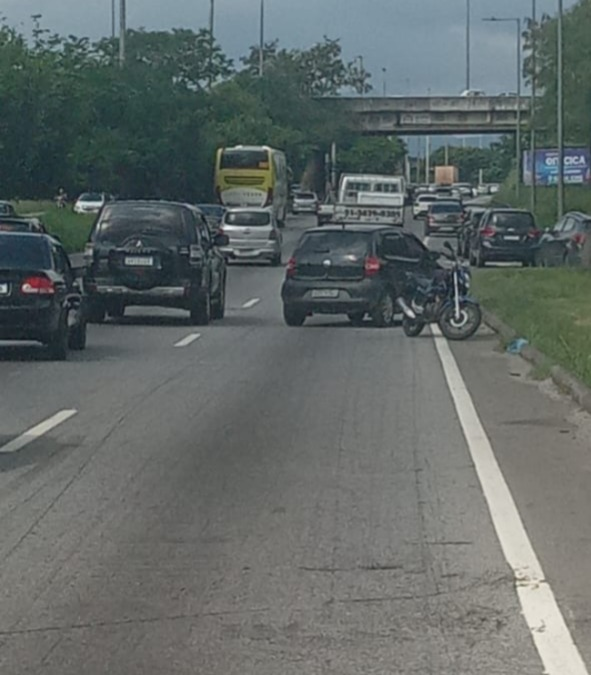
[(426, 115)]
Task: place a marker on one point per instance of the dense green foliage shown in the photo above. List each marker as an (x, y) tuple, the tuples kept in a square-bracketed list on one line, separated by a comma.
[(495, 161), (71, 117)]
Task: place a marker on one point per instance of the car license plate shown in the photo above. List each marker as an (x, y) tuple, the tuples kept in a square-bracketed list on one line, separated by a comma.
[(512, 237), (139, 261), (325, 293), (3, 289)]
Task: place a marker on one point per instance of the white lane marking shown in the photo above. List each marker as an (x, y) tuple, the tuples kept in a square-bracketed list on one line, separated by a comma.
[(251, 303), (186, 341), (36, 432), (555, 645)]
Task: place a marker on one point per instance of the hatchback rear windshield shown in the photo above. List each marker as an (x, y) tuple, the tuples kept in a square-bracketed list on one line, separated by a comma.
[(121, 222), (339, 243), (248, 218), (446, 207), (427, 198), (29, 252), (517, 221)]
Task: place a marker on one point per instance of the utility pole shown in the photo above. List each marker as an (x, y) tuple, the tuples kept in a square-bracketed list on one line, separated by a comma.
[(560, 110), (532, 118), (262, 40), (113, 19), (468, 44), (428, 160), (122, 30), (518, 132)]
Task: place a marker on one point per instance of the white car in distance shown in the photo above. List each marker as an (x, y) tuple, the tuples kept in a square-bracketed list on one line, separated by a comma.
[(91, 202)]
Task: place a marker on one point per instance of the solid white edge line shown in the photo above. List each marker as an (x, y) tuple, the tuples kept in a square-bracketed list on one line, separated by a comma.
[(37, 431), (189, 339), (251, 303), (552, 638)]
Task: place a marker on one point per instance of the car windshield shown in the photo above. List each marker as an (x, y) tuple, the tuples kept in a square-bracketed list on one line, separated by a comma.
[(521, 221), (24, 253), (248, 218), (446, 207), (245, 159), (90, 197), (341, 242), (121, 222)]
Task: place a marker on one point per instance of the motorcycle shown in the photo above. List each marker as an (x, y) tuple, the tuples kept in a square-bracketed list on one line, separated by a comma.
[(443, 300)]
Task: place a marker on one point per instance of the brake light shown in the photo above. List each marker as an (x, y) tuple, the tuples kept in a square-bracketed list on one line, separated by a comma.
[(39, 285), (273, 236), (269, 201), (488, 231), (290, 270), (534, 233), (579, 238), (372, 266)]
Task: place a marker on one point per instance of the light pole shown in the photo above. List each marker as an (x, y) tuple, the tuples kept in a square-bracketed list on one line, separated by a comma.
[(122, 30), (532, 118), (384, 81), (113, 19), (560, 110), (517, 22), (468, 44), (262, 40), (211, 40)]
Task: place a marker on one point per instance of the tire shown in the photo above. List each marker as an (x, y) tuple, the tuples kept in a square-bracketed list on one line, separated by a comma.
[(117, 310), (77, 338), (57, 344), (411, 327), (293, 317), (96, 312), (356, 318), (200, 309), (471, 320), (218, 309), (276, 261), (383, 314)]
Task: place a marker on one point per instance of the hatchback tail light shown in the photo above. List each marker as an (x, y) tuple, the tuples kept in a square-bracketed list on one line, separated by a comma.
[(534, 233), (37, 285), (488, 231), (372, 266), (290, 270), (579, 239)]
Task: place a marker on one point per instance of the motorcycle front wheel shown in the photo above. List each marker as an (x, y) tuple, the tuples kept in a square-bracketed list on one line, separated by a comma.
[(463, 327), (412, 327)]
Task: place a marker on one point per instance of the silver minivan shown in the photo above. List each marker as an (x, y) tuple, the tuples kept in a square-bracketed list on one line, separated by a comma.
[(254, 235)]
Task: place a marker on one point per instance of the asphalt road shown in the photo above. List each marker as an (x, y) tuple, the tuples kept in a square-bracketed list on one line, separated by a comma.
[(275, 501)]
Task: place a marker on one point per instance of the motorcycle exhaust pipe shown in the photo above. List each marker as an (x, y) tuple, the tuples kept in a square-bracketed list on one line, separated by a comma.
[(401, 302)]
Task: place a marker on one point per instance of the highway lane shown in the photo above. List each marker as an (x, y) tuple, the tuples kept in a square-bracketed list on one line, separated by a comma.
[(263, 500)]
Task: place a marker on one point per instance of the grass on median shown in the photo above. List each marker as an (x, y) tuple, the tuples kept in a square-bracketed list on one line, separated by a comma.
[(71, 228), (549, 307)]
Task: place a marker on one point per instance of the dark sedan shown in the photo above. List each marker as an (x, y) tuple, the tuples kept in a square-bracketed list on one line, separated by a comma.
[(505, 235), (563, 244), (470, 226), (39, 297)]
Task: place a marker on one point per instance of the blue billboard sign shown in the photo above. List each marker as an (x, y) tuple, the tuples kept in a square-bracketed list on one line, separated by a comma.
[(577, 167)]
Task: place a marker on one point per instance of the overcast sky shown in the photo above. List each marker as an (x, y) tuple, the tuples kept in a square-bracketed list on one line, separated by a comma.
[(421, 43)]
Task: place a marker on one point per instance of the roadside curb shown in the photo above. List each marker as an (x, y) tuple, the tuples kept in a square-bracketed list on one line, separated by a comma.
[(564, 380)]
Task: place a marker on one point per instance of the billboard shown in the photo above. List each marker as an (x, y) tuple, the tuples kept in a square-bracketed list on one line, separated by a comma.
[(577, 167)]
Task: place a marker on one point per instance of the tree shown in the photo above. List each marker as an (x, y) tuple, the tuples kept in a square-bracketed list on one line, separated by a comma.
[(373, 154)]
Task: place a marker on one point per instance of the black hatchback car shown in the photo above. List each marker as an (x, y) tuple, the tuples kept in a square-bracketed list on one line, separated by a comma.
[(40, 299), (505, 235), (353, 270), (154, 253)]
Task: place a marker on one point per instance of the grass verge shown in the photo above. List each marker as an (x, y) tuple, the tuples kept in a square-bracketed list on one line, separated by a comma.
[(548, 307), (71, 228)]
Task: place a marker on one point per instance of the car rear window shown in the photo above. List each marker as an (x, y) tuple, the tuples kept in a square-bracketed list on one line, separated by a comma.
[(340, 243), (120, 222), (23, 253), (446, 207), (517, 221), (14, 226), (248, 218), (305, 195), (427, 198)]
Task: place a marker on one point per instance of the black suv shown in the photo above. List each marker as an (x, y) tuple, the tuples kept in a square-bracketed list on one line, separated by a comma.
[(39, 297), (155, 253), (505, 235), (353, 270)]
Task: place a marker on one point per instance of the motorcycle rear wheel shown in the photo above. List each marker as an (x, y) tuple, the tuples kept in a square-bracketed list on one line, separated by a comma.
[(412, 327), (468, 324)]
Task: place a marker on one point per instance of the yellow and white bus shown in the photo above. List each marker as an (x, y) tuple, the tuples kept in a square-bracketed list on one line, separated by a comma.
[(253, 176)]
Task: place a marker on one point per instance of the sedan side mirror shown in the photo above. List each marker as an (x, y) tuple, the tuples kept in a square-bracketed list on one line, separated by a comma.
[(221, 240)]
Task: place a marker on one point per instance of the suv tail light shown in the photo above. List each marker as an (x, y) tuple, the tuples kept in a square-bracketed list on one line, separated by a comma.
[(372, 266), (290, 270), (488, 231), (534, 233), (37, 285), (580, 238)]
